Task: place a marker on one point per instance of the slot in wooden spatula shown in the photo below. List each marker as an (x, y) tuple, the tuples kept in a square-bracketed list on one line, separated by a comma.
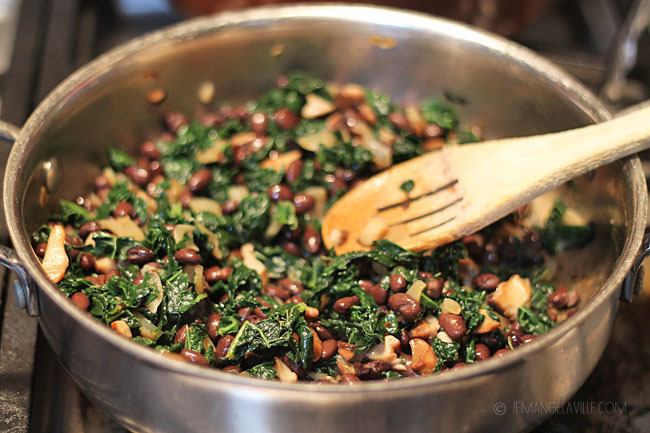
[(460, 189)]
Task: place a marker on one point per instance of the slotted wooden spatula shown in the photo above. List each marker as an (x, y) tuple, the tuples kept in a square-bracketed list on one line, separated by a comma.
[(460, 189)]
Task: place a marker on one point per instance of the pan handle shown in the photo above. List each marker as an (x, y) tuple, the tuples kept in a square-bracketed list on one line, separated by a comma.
[(633, 283), (24, 287)]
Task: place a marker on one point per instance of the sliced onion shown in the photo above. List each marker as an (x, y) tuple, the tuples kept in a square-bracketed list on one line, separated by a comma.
[(214, 153), (415, 291), (282, 161), (382, 155), (147, 329), (155, 303), (123, 227), (179, 232)]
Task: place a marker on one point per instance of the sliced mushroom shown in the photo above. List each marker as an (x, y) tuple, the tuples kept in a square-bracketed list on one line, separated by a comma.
[(55, 261), (249, 259), (123, 227), (242, 138), (510, 295), (316, 107), (424, 359), (385, 351), (488, 324), (426, 328)]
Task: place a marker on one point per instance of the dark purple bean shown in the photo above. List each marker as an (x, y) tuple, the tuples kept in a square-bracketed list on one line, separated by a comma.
[(112, 272), (342, 305), (81, 301), (399, 121), (491, 254), (229, 207), (475, 245), (564, 298), (279, 192), (397, 282), (405, 305), (214, 320), (404, 339), (244, 312), (323, 333), (286, 119), (88, 228), (334, 184), (155, 169), (276, 291), (434, 288), (431, 130), (139, 255), (490, 341), (181, 334), (195, 357), (215, 273), (349, 379), (371, 370), (293, 171), (292, 248), (223, 345), (139, 175), (454, 325), (199, 180), (482, 352), (40, 249), (527, 338), (259, 123), (458, 365), (329, 349), (149, 149), (293, 287), (303, 203), (378, 293), (174, 120), (101, 182), (185, 198), (257, 311), (187, 256), (123, 208), (499, 353), (311, 241), (486, 281), (87, 262)]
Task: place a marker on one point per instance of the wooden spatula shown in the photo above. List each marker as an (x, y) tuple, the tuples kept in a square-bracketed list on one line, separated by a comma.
[(460, 189)]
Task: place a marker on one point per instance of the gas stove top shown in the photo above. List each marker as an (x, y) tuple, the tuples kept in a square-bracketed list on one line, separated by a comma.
[(54, 37)]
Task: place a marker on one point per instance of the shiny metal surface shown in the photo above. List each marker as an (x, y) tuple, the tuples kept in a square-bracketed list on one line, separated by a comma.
[(103, 105)]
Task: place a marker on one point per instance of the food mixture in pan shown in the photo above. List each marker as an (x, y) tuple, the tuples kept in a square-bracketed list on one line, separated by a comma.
[(205, 246)]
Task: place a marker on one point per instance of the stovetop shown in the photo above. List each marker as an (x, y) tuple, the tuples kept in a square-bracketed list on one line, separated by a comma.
[(54, 37)]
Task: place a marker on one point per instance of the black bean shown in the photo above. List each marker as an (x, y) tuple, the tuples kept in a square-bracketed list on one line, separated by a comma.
[(434, 288)]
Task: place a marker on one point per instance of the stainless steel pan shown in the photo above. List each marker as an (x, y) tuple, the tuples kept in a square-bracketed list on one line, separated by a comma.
[(502, 87)]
